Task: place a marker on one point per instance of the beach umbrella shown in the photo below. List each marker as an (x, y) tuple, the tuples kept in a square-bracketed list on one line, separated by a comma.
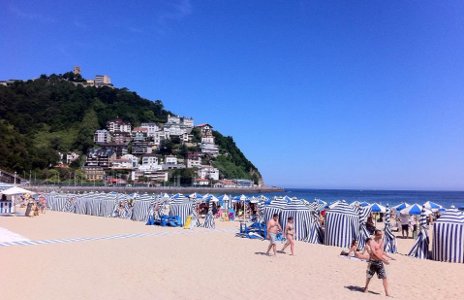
[(16, 190), (363, 212), (377, 208), (195, 196), (432, 206), (414, 209), (363, 204), (448, 237), (420, 249), (389, 238), (341, 225), (401, 206), (254, 200)]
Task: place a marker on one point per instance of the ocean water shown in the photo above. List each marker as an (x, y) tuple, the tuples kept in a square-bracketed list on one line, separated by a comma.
[(384, 197)]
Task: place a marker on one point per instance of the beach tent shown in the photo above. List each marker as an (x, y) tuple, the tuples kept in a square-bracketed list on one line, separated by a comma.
[(141, 210), (364, 213), (448, 237), (355, 203), (377, 208), (334, 204), (178, 199), (420, 249), (195, 222), (389, 238), (301, 218), (315, 234), (414, 209), (341, 225), (209, 219), (275, 207), (183, 210), (432, 206)]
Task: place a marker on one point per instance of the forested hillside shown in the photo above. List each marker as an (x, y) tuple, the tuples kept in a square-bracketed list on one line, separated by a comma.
[(39, 118)]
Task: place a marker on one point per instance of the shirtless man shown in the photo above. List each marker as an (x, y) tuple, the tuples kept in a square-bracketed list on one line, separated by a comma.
[(273, 227), (377, 258)]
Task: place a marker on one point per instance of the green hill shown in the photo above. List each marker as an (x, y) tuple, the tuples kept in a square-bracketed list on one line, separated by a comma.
[(39, 118)]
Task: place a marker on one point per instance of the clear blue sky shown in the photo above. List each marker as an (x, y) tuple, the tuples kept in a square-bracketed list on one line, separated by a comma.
[(322, 94)]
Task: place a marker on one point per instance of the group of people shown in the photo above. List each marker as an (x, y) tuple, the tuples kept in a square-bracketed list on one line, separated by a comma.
[(273, 228), (373, 251), (33, 207)]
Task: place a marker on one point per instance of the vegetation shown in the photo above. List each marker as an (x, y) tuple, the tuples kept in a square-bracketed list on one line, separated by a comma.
[(39, 118)]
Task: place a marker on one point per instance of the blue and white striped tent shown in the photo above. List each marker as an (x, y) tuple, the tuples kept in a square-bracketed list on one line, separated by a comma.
[(389, 238), (183, 210), (364, 213), (209, 219), (341, 225), (275, 207), (448, 237), (178, 199), (420, 249), (195, 218), (301, 218), (315, 234)]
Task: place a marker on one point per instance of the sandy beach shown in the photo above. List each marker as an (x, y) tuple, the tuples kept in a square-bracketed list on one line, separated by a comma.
[(168, 263)]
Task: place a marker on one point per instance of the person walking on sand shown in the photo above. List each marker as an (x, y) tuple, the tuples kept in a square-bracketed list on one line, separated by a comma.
[(273, 227), (290, 236), (377, 258)]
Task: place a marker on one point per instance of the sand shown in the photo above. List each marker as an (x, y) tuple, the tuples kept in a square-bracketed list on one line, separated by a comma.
[(174, 263)]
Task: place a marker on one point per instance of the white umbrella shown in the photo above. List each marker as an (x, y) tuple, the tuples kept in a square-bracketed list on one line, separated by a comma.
[(16, 190)]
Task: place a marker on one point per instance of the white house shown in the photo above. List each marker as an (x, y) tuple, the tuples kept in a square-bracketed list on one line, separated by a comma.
[(119, 125), (152, 128), (102, 136), (193, 162), (150, 163), (170, 160), (208, 172)]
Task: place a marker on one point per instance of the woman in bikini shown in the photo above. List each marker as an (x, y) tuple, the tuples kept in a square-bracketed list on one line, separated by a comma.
[(290, 236)]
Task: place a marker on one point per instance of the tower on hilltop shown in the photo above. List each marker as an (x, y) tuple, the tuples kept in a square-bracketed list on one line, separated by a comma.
[(77, 70)]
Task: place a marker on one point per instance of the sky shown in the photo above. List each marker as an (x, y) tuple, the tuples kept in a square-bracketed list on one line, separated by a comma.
[(317, 94)]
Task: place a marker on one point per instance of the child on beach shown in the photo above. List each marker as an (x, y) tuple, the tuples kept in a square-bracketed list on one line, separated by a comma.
[(290, 236)]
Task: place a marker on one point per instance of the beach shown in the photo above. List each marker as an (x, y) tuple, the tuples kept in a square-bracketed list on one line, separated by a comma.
[(168, 263)]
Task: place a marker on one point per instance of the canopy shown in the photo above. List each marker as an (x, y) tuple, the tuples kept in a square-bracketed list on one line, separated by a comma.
[(432, 206), (420, 249), (414, 209), (401, 206), (377, 208), (388, 237), (448, 237), (16, 190)]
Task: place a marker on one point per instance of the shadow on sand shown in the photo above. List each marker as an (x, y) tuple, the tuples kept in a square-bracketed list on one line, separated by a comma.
[(355, 288)]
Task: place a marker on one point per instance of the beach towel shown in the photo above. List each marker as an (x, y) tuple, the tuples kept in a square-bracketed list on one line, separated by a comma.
[(188, 221)]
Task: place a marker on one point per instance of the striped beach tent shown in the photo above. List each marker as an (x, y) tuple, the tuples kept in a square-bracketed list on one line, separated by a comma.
[(141, 210), (389, 238), (195, 218), (209, 219), (93, 205), (363, 213), (315, 234), (81, 203), (183, 210), (275, 207), (420, 249), (341, 226), (448, 237), (301, 218)]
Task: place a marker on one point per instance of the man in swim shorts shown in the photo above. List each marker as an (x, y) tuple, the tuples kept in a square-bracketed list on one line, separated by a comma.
[(377, 258), (273, 227)]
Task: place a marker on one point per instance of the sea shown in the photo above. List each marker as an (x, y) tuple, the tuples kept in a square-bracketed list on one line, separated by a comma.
[(383, 197)]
